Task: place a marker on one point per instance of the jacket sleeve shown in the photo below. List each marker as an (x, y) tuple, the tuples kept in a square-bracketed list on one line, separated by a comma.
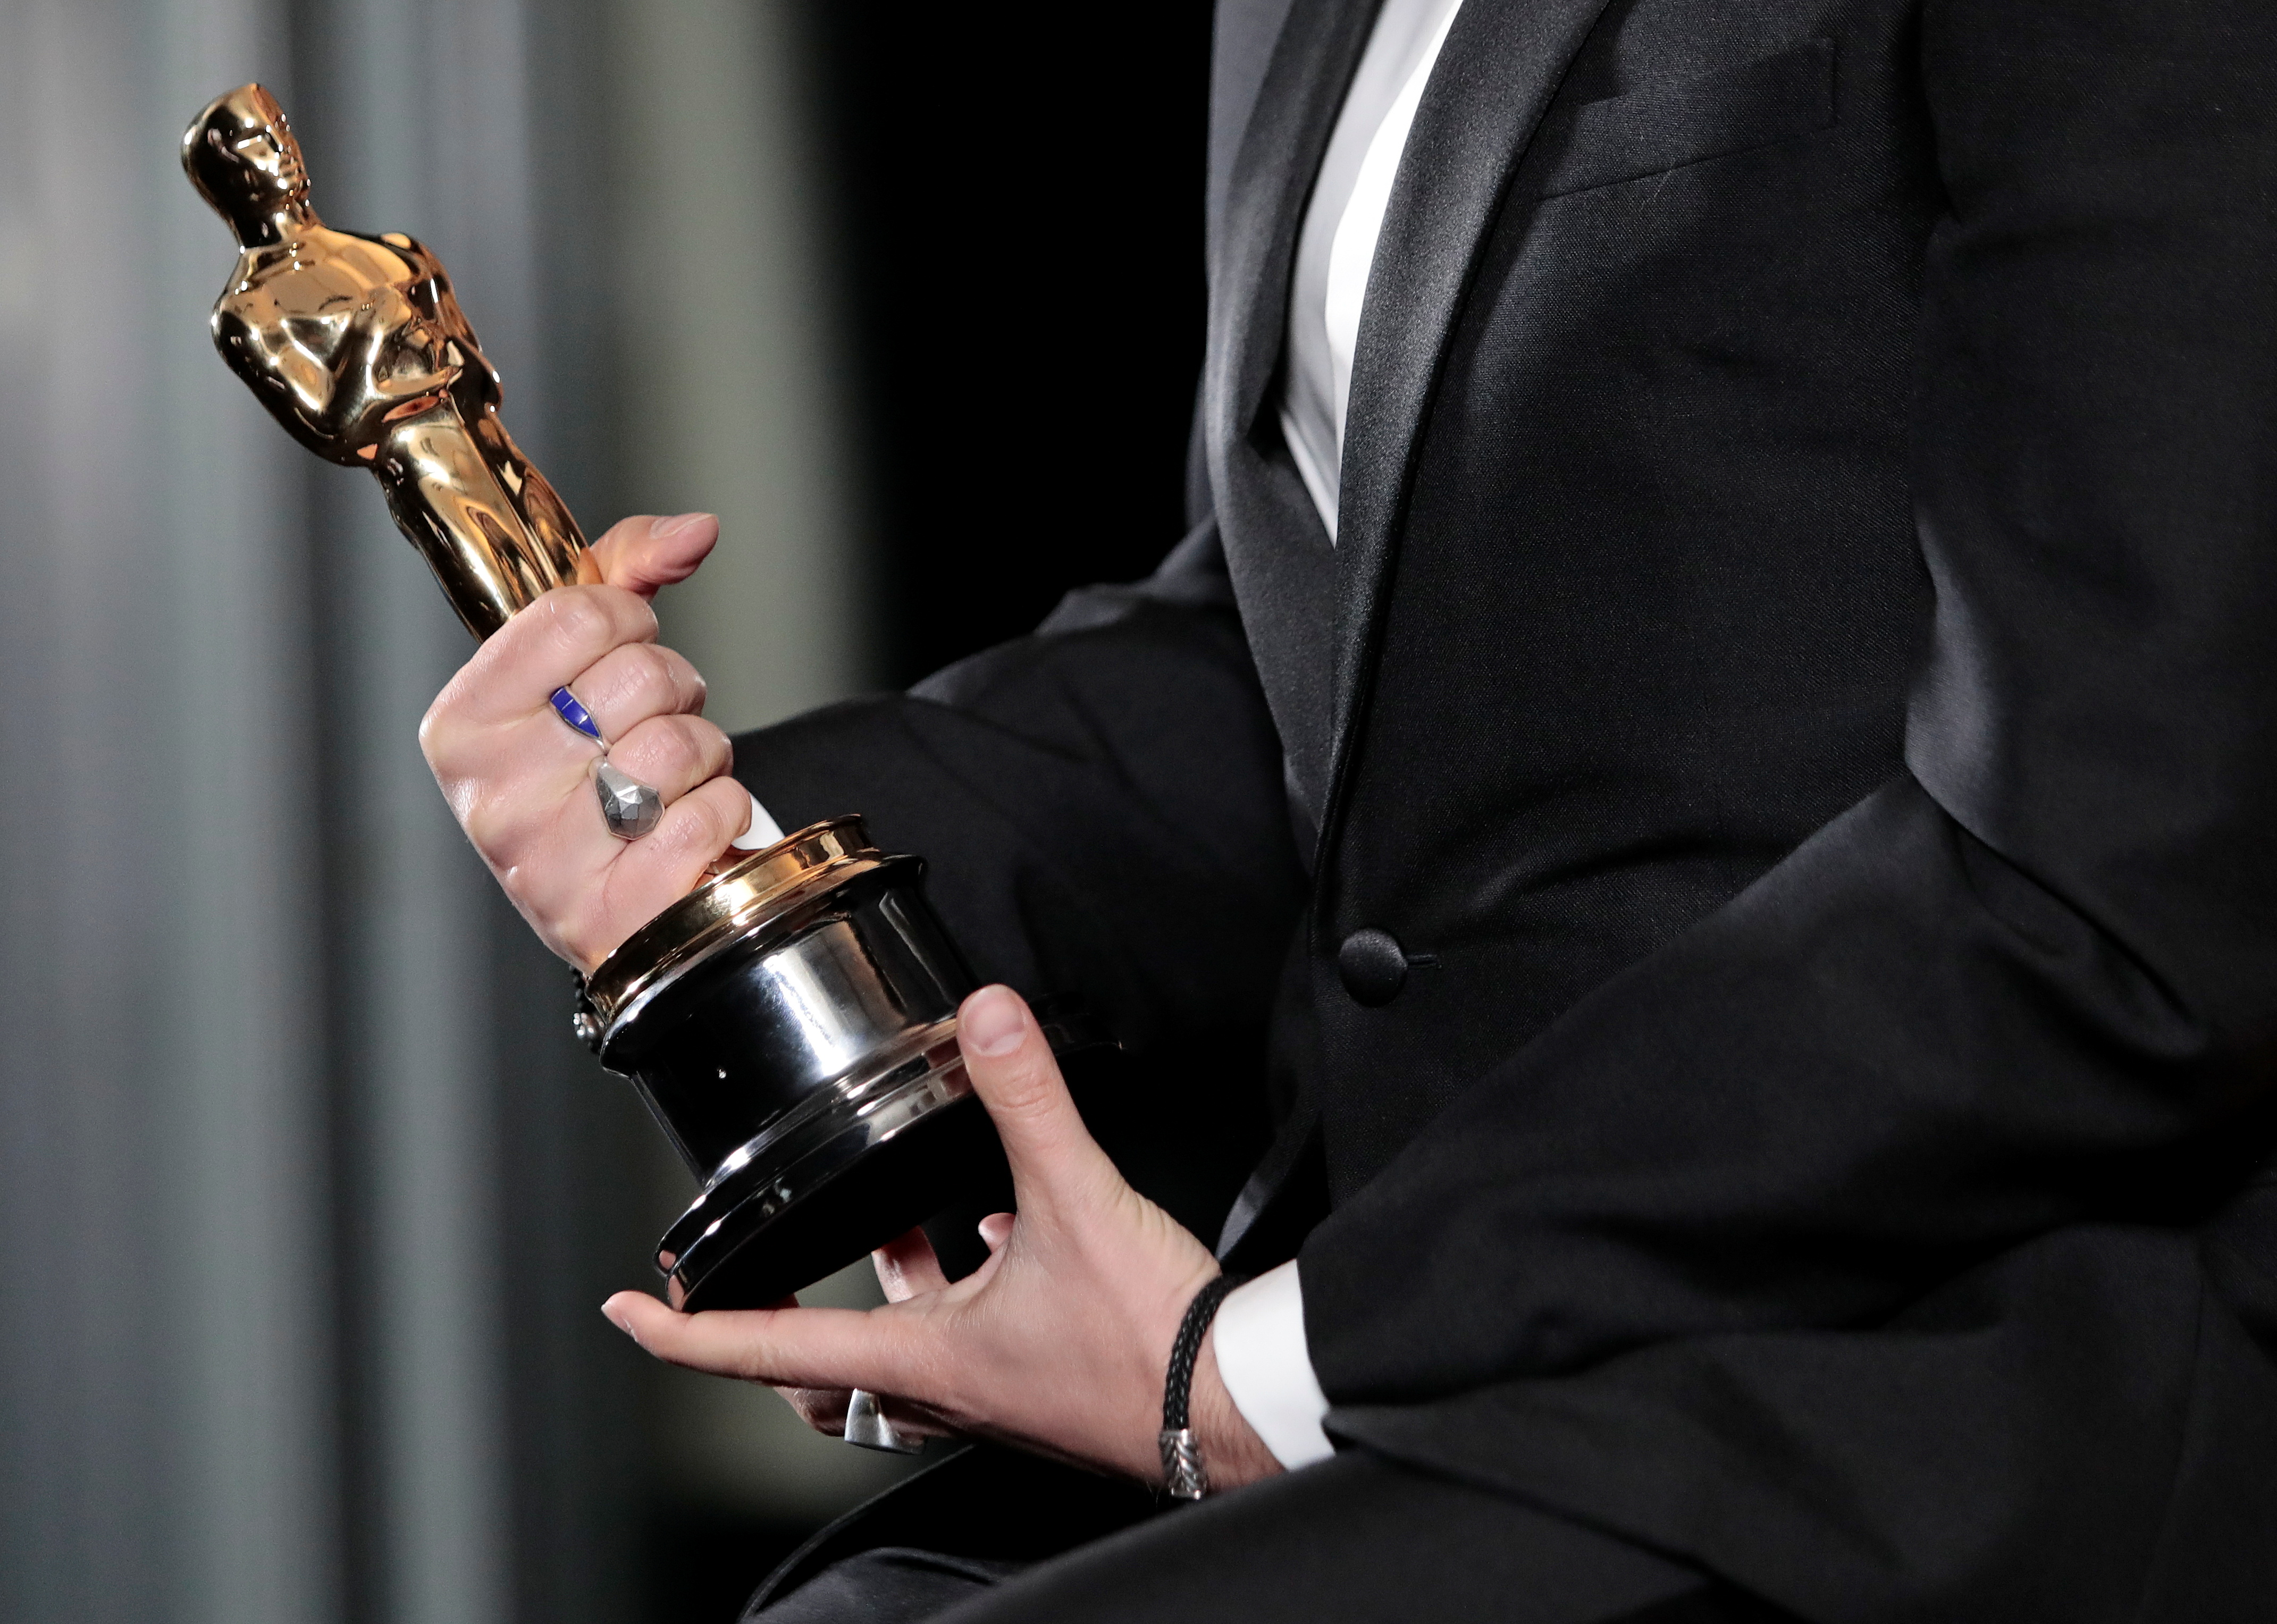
[(2032, 982), (1101, 808)]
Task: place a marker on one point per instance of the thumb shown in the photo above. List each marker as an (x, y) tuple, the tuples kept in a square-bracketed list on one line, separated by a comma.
[(642, 554), (1013, 1071)]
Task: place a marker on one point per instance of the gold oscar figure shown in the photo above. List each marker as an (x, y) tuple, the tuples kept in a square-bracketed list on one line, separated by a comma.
[(357, 345), (791, 1022)]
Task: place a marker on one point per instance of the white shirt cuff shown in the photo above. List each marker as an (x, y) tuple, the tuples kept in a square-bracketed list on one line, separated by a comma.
[(763, 830), (1267, 1370)]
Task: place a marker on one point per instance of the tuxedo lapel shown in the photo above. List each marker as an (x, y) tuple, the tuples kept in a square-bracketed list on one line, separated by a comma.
[(1501, 62), (1295, 110)]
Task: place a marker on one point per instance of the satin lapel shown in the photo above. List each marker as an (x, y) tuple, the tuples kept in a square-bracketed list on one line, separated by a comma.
[(1495, 74), (1319, 46)]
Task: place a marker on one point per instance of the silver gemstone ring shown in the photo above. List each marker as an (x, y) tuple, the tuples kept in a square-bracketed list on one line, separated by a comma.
[(867, 1427), (628, 807)]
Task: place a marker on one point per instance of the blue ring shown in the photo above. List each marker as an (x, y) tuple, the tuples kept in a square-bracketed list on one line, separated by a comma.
[(565, 706)]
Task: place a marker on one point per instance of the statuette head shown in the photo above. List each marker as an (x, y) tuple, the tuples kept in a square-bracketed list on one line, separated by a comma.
[(240, 155)]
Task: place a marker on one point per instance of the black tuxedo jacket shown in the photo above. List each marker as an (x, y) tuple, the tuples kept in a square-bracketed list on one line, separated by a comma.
[(1797, 682)]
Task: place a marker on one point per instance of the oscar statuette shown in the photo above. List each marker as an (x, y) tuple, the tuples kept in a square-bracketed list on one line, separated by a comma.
[(791, 1023)]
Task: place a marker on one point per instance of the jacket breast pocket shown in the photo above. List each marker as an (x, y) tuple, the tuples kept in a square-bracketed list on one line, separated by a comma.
[(1666, 127)]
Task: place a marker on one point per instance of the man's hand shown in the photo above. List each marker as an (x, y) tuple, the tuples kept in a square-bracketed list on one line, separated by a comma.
[(520, 783), (1058, 1343)]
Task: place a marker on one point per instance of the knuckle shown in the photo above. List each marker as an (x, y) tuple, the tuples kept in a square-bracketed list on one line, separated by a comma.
[(435, 739), (723, 817), (495, 829), (482, 830), (713, 753), (444, 726), (583, 946), (588, 620), (576, 617), (631, 528), (756, 1363), (662, 748), (703, 828), (1027, 1095), (652, 683), (708, 758), (697, 829), (702, 742), (686, 682)]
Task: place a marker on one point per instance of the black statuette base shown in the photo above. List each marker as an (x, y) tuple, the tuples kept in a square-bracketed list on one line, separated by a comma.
[(868, 1173)]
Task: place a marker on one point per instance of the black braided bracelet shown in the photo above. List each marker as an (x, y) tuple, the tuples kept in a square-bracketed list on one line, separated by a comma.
[(1181, 1452)]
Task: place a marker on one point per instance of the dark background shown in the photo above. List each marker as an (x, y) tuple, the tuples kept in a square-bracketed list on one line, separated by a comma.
[(1017, 190)]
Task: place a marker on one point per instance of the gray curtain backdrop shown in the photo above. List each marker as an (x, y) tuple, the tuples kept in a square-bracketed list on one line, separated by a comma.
[(305, 1198)]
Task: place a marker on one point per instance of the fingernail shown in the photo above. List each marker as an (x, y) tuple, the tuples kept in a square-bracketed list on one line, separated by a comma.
[(619, 1324), (992, 1021), (660, 528)]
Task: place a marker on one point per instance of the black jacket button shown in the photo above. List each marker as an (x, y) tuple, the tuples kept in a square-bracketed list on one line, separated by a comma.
[(1372, 966)]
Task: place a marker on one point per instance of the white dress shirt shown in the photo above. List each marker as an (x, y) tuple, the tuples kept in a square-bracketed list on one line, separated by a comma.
[(1338, 243), (761, 832), (1259, 1335), (1267, 1370)]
